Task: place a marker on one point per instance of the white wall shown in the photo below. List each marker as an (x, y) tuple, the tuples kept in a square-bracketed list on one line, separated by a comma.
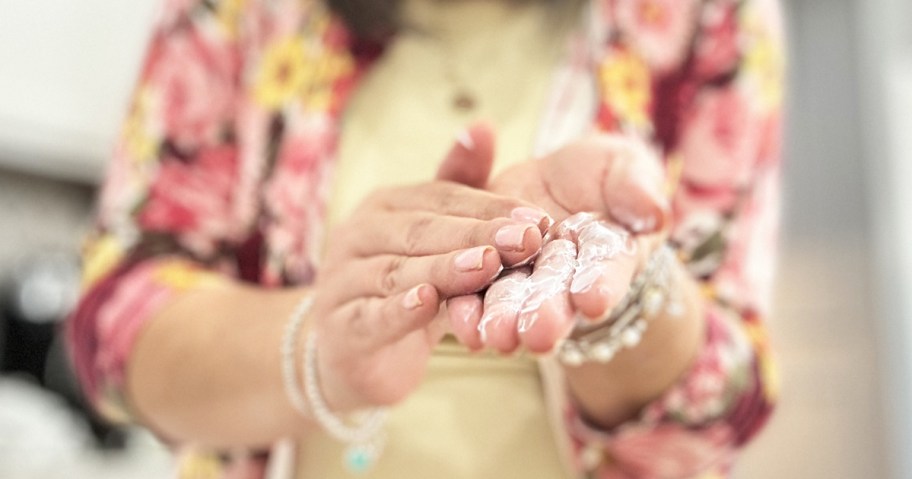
[(886, 63), (66, 69)]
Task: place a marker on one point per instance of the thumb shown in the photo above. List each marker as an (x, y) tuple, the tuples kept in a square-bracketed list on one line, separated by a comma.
[(610, 174), (471, 158)]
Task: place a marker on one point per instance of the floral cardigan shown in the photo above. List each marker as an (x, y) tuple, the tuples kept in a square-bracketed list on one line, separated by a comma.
[(223, 165)]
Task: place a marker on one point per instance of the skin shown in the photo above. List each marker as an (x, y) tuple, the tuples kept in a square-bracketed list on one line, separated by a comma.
[(204, 372), (207, 368), (621, 184)]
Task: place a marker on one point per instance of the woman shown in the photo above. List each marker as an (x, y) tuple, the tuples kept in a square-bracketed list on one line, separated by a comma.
[(286, 187)]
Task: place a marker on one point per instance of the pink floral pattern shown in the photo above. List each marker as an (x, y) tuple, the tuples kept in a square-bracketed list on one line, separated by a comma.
[(223, 164), (182, 64), (194, 201), (660, 30)]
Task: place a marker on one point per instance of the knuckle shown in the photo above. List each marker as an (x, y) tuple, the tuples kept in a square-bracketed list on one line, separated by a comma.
[(359, 319), (499, 208), (415, 235), (388, 282), (447, 195), (481, 234)]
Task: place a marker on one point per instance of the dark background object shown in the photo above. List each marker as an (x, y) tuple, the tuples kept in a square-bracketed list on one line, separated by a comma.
[(32, 309)]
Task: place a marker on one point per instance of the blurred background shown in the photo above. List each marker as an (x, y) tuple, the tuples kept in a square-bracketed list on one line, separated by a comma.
[(843, 319)]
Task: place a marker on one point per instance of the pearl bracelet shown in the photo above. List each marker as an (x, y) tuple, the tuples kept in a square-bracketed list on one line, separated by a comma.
[(365, 439), (624, 328), (289, 369)]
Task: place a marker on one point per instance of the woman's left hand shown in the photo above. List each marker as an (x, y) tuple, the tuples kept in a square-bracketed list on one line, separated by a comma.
[(606, 193)]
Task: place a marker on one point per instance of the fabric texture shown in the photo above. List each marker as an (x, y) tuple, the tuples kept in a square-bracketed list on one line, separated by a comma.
[(227, 153)]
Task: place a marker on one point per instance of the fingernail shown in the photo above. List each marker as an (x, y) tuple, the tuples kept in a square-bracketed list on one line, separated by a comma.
[(412, 299), (584, 279), (467, 309), (532, 215), (472, 259), (526, 214), (510, 237), (654, 190), (637, 219), (465, 139)]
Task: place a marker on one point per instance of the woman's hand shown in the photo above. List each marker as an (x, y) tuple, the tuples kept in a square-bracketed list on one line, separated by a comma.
[(607, 193), (387, 269)]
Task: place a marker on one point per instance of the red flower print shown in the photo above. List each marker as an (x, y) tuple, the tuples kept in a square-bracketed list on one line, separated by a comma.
[(191, 77), (659, 30), (717, 50), (669, 450), (193, 199), (720, 140)]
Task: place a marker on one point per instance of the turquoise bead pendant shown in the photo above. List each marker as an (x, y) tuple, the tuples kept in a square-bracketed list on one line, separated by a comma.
[(361, 457)]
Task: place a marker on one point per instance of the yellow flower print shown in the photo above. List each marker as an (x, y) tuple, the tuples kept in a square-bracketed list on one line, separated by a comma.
[(764, 63), (100, 256), (181, 275), (294, 69), (228, 13), (674, 167), (282, 73), (319, 93), (200, 466), (708, 291), (768, 370), (140, 144), (653, 13), (627, 87)]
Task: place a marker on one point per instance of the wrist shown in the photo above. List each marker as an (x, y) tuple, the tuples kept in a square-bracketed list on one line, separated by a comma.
[(610, 393), (307, 392)]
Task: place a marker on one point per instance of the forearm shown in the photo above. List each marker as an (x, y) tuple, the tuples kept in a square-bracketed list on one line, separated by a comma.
[(207, 367), (609, 394)]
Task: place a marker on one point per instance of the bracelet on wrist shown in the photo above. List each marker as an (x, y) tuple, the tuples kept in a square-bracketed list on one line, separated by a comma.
[(290, 376), (363, 434), (650, 294)]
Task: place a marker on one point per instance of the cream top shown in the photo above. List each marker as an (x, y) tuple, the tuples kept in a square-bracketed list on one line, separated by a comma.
[(474, 416), (403, 118)]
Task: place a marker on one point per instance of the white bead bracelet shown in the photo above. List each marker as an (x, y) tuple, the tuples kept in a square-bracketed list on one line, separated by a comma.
[(364, 437), (625, 326)]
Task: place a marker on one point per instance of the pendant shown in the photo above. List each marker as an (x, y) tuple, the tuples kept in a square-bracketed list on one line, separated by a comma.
[(360, 458), (463, 101)]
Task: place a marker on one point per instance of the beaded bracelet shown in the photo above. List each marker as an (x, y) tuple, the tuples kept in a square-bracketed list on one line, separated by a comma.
[(364, 438), (624, 328), (289, 369)]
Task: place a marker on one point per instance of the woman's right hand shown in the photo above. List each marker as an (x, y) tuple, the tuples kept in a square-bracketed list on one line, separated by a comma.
[(388, 268)]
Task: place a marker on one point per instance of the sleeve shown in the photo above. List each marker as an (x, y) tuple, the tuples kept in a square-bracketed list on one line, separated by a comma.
[(167, 217), (715, 112)]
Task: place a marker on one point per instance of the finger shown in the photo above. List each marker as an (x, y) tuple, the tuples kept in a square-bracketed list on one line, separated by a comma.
[(502, 304), (410, 233), (455, 200), (624, 180), (606, 262), (470, 159), (635, 190), (373, 322), (452, 274), (464, 314), (546, 315), (570, 228)]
